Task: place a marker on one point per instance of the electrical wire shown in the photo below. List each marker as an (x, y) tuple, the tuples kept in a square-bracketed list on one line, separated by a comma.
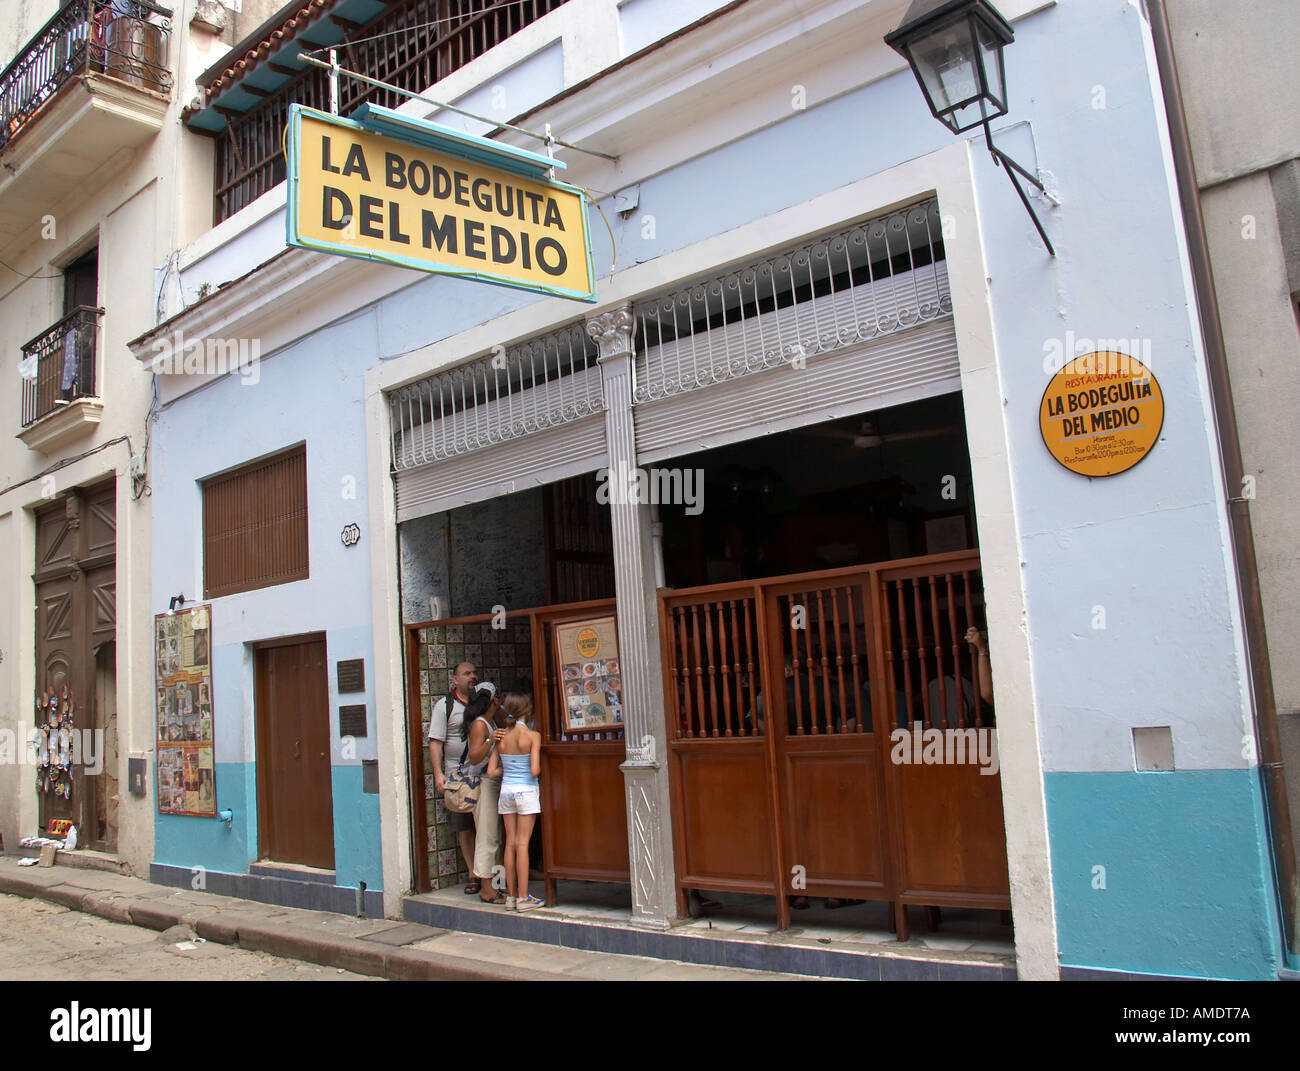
[(34, 275), (613, 263), (63, 463)]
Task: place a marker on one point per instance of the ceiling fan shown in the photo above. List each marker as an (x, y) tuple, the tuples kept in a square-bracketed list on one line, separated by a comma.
[(868, 436)]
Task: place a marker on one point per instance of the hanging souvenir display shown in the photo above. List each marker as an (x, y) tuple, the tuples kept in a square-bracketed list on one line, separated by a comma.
[(55, 716)]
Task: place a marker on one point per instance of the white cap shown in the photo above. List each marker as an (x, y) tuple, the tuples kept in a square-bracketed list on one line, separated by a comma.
[(491, 688)]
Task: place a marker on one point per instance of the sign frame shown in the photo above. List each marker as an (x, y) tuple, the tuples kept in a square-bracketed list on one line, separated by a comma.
[(499, 161), (568, 636)]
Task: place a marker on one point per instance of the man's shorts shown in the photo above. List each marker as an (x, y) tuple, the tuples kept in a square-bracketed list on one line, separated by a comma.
[(520, 799), (461, 823)]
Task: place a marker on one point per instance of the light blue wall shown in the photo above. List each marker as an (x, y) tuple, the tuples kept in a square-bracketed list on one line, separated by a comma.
[(357, 853), (1146, 547), (191, 842), (1186, 890), (308, 393)]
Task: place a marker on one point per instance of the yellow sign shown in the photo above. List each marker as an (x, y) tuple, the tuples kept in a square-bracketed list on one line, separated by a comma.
[(369, 195), (588, 643), (1101, 414)]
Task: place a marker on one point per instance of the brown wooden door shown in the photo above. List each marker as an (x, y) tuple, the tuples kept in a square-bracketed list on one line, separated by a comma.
[(796, 790), (76, 621), (295, 799)]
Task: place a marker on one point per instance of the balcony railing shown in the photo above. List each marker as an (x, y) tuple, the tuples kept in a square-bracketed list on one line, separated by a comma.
[(126, 39), (413, 45), (58, 366)]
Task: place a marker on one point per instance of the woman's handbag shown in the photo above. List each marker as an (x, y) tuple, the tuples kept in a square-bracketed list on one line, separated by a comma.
[(461, 793)]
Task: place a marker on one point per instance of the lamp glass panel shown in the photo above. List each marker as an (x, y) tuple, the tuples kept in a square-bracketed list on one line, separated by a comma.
[(995, 77), (945, 60)]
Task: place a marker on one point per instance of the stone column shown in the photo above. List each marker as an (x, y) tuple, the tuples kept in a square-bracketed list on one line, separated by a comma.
[(649, 826)]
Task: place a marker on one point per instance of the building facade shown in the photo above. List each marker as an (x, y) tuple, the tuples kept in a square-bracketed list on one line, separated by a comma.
[(794, 449), (1244, 143), (86, 151)]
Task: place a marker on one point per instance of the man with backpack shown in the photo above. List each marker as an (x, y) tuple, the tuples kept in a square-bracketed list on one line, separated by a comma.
[(447, 745)]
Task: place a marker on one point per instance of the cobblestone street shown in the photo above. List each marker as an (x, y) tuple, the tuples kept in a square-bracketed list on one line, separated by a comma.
[(45, 942)]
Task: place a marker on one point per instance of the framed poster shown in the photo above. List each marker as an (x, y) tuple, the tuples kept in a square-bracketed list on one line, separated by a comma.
[(587, 654), (183, 695)]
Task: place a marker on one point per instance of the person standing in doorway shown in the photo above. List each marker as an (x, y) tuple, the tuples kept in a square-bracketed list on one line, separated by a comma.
[(518, 761), (482, 737), (447, 746)]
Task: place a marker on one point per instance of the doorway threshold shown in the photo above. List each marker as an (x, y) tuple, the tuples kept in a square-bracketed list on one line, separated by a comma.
[(90, 859), (268, 868), (851, 943)]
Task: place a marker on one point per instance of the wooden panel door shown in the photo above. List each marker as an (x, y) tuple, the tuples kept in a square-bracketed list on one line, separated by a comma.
[(76, 622), (827, 743), (295, 800)]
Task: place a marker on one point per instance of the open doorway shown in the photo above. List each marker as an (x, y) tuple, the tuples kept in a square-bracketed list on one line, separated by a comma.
[(891, 484)]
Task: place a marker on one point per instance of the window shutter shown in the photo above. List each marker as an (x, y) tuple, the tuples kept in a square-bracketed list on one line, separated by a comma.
[(255, 525)]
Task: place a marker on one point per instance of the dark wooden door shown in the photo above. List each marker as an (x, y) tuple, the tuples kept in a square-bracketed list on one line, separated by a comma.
[(76, 620), (81, 283), (782, 698), (295, 799)]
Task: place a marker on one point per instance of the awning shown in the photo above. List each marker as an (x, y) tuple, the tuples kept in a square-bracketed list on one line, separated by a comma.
[(267, 59)]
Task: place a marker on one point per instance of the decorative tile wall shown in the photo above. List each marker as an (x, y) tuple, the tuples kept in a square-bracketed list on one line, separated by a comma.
[(502, 656)]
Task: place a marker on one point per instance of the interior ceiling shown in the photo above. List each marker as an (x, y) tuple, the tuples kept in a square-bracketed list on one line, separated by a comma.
[(840, 453)]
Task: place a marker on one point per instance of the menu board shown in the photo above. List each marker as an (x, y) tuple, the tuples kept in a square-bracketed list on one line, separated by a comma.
[(183, 657), (587, 653)]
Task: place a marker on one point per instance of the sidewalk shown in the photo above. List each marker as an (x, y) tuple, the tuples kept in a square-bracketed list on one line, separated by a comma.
[(382, 948)]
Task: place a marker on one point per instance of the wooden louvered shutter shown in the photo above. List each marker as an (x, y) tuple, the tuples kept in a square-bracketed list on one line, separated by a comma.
[(255, 525)]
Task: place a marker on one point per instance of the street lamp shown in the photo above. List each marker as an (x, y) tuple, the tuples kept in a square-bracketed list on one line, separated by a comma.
[(955, 50)]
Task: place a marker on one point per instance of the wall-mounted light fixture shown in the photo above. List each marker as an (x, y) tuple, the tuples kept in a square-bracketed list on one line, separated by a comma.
[(177, 600), (955, 50)]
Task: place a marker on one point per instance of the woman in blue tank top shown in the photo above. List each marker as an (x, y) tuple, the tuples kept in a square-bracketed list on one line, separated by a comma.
[(518, 761)]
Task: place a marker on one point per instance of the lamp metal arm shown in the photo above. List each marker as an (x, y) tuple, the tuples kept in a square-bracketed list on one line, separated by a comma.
[(1012, 169)]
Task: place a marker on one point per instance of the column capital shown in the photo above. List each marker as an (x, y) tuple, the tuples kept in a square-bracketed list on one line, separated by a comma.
[(612, 331)]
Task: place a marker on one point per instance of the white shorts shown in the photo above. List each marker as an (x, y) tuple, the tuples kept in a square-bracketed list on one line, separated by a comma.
[(520, 799)]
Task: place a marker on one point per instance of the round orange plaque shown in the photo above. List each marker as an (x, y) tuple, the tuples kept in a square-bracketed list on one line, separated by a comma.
[(588, 643), (1101, 414)]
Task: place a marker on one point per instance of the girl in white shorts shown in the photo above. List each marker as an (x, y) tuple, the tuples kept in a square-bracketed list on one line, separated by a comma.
[(517, 761)]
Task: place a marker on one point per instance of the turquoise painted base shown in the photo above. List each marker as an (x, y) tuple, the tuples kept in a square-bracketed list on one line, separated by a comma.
[(1184, 860), (207, 842)]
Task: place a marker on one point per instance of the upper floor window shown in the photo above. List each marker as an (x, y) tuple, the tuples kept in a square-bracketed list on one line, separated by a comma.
[(412, 45), (255, 525)]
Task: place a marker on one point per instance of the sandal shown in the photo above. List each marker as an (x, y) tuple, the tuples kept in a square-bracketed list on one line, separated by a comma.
[(473, 887), (497, 901)]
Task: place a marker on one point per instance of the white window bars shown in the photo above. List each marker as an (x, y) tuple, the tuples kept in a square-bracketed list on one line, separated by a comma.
[(542, 383), (876, 278)]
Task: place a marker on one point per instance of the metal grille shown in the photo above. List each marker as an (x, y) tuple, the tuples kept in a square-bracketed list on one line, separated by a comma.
[(877, 278), (58, 366), (413, 45), (542, 383), (124, 38), (255, 525)]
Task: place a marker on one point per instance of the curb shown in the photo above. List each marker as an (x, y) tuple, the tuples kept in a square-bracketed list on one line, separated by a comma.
[(328, 950)]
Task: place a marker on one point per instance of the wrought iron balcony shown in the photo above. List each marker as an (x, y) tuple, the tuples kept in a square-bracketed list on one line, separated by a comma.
[(124, 39), (58, 365), (412, 44)]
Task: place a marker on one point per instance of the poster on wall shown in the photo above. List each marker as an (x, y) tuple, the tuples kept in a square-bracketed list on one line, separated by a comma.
[(587, 653), (183, 673)]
